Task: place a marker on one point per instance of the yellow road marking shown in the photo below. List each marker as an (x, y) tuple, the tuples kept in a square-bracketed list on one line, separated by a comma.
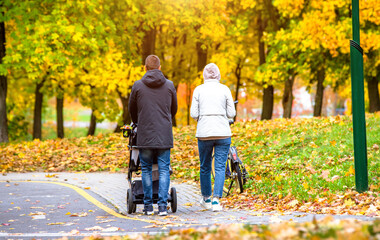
[(91, 199)]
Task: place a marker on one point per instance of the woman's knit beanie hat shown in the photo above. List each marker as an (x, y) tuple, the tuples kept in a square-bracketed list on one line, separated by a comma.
[(211, 71)]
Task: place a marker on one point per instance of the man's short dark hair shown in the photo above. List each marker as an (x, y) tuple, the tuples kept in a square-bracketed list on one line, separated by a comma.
[(152, 62)]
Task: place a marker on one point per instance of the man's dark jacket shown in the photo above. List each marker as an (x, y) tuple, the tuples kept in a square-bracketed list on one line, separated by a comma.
[(152, 105)]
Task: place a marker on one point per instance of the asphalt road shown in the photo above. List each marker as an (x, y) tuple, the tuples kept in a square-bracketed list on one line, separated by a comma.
[(34, 209)]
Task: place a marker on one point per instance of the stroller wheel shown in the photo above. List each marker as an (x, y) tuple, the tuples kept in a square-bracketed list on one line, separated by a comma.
[(130, 205), (134, 208), (173, 194)]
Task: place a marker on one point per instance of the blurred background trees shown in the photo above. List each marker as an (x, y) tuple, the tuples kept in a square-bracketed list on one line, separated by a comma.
[(90, 52)]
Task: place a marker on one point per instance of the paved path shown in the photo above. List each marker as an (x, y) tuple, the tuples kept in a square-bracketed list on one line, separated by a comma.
[(47, 209), (109, 190)]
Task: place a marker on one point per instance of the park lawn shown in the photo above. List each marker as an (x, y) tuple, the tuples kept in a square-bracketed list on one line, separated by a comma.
[(303, 164), (69, 114), (294, 164), (49, 131)]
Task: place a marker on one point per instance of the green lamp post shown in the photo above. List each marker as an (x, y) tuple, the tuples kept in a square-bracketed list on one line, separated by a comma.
[(358, 113)]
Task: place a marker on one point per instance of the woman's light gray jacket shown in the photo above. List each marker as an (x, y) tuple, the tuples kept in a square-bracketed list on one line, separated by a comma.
[(212, 106)]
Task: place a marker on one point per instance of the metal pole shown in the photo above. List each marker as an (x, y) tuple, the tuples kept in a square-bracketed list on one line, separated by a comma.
[(358, 112)]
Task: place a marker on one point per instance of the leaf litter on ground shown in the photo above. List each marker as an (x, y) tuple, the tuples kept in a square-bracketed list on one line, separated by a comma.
[(300, 164), (326, 228)]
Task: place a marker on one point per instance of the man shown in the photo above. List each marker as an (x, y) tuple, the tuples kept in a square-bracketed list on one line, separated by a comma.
[(152, 105)]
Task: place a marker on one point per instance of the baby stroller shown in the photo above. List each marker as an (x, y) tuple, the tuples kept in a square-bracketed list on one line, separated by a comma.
[(135, 193)]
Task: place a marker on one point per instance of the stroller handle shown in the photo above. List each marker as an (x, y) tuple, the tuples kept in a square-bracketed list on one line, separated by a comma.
[(129, 129)]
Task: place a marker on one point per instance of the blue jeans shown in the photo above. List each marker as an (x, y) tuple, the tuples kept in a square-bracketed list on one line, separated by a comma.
[(163, 159), (221, 148)]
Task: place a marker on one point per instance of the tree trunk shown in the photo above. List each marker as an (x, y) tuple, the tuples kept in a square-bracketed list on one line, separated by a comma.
[(319, 95), (238, 83), (126, 117), (373, 95), (3, 90), (287, 98), (60, 129), (148, 44), (267, 107), (37, 121), (202, 56), (3, 110), (92, 128), (267, 112)]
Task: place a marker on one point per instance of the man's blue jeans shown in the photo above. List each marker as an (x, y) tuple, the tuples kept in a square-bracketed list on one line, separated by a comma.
[(163, 159), (221, 148)]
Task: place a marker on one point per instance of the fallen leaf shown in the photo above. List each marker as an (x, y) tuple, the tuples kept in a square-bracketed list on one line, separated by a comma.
[(74, 232), (151, 226), (349, 203), (351, 171), (293, 203), (36, 213), (57, 223), (106, 221), (325, 174), (95, 228), (335, 177), (84, 214), (50, 175), (111, 229)]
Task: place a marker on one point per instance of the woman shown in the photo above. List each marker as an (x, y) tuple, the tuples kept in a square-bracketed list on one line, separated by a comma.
[(212, 106)]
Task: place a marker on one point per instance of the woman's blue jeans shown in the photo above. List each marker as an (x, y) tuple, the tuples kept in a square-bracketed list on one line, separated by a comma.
[(220, 148), (163, 159)]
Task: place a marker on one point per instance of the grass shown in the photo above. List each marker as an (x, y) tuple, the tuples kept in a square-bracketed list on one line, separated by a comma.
[(70, 113), (49, 131), (305, 157)]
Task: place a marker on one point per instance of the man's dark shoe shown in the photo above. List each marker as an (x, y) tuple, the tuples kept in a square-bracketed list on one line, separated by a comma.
[(162, 211), (148, 210)]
